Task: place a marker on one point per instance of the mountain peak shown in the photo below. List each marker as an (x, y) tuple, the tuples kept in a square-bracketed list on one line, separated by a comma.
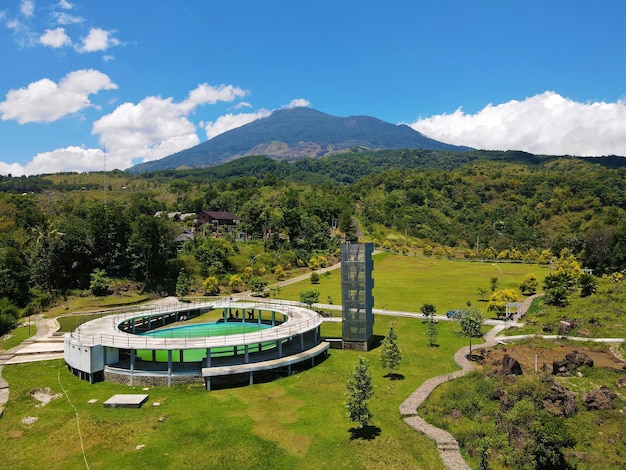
[(294, 133)]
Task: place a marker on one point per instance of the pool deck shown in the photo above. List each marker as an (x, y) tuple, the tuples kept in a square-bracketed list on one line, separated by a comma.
[(106, 332)]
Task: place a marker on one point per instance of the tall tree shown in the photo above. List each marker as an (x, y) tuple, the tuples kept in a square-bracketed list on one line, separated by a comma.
[(152, 248), (359, 391)]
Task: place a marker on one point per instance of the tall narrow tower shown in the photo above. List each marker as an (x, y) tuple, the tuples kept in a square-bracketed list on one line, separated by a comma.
[(356, 295)]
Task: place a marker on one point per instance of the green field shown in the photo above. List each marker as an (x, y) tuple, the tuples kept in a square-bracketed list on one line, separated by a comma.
[(406, 283), (294, 422)]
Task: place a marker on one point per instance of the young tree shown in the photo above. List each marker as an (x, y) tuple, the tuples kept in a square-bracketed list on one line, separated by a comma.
[(432, 332), (428, 310), (99, 283), (315, 278), (211, 286), (529, 284), (588, 284), (309, 296), (471, 322), (359, 391), (499, 299), (493, 283), (235, 282), (482, 293), (390, 353), (257, 285), (183, 284)]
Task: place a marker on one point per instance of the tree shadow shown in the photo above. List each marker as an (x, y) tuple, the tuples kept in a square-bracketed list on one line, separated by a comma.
[(394, 376), (376, 341), (367, 433)]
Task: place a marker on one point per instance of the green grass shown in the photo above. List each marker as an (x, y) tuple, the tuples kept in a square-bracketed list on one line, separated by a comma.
[(80, 304), (17, 335), (406, 282), (294, 422), (601, 315)]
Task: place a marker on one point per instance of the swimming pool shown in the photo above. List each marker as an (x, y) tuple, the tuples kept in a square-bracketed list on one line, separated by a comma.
[(202, 330)]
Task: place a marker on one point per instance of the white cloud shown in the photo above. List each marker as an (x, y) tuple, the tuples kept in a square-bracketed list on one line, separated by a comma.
[(45, 101), (65, 5), (97, 40), (72, 158), (65, 18), (27, 8), (157, 127), (55, 38), (228, 122), (298, 103), (242, 104), (542, 124), (207, 94)]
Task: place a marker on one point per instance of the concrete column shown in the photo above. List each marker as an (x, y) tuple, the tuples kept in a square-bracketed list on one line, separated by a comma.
[(169, 367), (208, 357), (245, 348), (154, 355), (132, 365), (251, 382), (132, 322), (279, 345), (208, 384), (273, 318), (181, 359), (302, 342)]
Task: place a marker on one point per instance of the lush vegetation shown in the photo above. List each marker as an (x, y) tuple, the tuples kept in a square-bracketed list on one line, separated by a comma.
[(522, 422)]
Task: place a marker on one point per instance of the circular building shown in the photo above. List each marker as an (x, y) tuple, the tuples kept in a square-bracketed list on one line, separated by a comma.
[(157, 345)]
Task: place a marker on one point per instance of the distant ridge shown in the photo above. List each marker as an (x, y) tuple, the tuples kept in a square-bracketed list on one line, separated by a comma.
[(291, 134)]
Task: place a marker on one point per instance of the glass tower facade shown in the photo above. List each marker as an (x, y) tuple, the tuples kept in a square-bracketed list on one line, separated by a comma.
[(356, 295)]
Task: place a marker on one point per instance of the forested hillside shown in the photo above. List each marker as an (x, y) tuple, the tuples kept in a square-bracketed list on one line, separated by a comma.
[(73, 231)]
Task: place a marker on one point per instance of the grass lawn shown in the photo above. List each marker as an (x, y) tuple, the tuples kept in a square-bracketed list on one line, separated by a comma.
[(80, 304), (17, 335), (600, 315), (293, 422), (406, 282)]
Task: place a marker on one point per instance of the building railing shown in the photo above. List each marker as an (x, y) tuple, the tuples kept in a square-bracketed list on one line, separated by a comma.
[(292, 327)]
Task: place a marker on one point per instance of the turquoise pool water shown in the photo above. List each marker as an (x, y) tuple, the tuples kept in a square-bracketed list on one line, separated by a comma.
[(201, 330)]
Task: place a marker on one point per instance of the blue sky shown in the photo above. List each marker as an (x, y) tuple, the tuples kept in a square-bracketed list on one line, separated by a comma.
[(87, 83)]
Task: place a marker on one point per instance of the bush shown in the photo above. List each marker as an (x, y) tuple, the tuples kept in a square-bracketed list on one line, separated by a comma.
[(100, 284), (211, 286), (8, 315), (315, 278)]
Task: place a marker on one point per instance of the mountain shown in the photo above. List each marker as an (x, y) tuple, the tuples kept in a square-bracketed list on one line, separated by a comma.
[(291, 134)]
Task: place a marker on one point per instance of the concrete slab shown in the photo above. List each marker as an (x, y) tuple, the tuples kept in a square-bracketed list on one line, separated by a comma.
[(126, 400), (23, 359), (40, 347)]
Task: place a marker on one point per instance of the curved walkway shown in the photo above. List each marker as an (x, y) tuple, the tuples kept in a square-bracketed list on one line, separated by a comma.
[(447, 445), (45, 327)]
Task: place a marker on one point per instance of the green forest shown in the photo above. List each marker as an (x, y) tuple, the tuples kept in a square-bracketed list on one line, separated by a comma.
[(67, 233)]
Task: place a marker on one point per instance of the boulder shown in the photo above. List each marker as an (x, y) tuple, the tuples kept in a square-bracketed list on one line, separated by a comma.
[(561, 401), (499, 394), (564, 328), (572, 361), (510, 366), (621, 383), (600, 399)]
